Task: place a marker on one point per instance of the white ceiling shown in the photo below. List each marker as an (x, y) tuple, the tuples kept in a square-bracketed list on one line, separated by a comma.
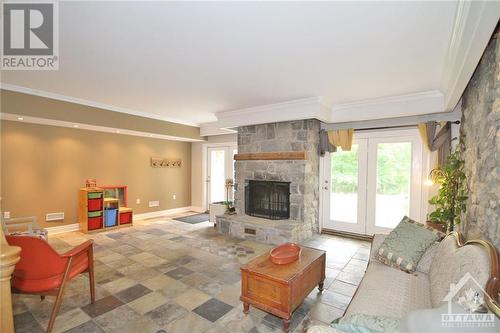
[(187, 61)]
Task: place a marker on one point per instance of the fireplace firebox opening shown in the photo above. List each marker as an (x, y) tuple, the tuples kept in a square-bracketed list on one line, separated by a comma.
[(268, 199)]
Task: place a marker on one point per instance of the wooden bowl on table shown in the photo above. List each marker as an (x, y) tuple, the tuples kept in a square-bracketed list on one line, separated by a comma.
[(285, 254)]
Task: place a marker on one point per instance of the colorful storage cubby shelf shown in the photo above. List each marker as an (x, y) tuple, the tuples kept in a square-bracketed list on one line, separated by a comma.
[(100, 213), (125, 215), (119, 192)]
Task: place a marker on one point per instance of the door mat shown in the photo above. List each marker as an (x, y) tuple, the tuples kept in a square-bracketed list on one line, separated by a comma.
[(193, 219)]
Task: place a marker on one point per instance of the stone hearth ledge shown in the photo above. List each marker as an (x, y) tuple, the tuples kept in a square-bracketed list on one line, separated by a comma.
[(263, 230)]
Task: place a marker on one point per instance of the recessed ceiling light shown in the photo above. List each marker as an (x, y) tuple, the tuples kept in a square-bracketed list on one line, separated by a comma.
[(20, 118), (117, 131), (75, 125), (150, 135)]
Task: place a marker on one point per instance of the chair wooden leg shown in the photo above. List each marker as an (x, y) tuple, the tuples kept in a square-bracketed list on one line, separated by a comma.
[(42, 297), (91, 276), (59, 297)]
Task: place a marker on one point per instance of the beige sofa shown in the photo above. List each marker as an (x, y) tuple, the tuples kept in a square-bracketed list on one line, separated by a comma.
[(390, 292)]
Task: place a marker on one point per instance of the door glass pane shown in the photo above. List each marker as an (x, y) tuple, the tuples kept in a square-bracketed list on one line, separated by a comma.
[(344, 185), (217, 174), (393, 183)]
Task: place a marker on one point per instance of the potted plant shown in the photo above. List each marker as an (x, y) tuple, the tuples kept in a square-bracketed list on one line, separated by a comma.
[(452, 194), (229, 204)]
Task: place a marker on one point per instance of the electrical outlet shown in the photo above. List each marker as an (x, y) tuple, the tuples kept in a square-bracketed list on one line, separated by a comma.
[(154, 203), (138, 201), (6, 215), (174, 197)]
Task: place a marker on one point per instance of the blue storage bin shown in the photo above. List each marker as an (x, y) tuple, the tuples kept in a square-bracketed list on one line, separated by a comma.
[(110, 217)]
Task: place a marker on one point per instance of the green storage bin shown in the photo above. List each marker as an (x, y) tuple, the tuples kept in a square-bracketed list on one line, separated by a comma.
[(94, 214), (94, 195)]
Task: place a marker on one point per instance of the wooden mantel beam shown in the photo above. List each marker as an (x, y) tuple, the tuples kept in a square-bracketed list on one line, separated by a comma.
[(286, 155)]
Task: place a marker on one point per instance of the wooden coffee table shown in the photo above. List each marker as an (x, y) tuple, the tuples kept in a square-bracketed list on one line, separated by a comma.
[(280, 289)]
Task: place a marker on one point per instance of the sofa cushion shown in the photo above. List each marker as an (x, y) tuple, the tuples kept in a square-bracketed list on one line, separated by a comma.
[(322, 329), (353, 328), (406, 244), (389, 292), (451, 263)]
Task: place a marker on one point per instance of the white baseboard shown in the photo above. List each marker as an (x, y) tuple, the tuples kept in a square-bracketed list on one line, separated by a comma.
[(75, 226), (159, 213), (62, 228), (197, 209)]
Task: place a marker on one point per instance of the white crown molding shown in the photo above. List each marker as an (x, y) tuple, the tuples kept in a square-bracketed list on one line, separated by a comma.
[(455, 115), (212, 128), (304, 108), (82, 126), (414, 104), (85, 102), (389, 107), (474, 24), (269, 107)]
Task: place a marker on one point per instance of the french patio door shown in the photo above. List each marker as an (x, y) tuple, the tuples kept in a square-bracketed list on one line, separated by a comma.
[(370, 188), (220, 166)]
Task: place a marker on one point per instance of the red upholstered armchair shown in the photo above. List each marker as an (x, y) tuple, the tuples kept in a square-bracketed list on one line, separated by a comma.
[(42, 271)]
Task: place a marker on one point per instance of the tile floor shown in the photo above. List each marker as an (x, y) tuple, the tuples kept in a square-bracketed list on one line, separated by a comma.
[(168, 276)]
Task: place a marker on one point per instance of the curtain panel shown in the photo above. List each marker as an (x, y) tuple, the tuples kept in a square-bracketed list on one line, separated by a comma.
[(329, 141), (341, 138), (324, 144), (440, 141)]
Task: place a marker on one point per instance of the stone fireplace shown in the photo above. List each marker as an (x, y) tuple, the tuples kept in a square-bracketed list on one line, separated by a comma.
[(264, 211)]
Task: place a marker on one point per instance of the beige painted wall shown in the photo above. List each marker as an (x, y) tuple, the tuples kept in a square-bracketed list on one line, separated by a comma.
[(44, 166), (199, 167)]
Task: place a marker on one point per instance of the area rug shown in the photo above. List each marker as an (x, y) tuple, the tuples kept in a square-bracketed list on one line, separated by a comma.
[(193, 219)]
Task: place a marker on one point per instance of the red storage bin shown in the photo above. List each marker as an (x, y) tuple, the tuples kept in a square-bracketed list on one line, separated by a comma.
[(94, 223), (125, 217), (94, 204)]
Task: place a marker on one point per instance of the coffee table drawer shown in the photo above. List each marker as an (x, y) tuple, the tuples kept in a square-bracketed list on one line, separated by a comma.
[(264, 291)]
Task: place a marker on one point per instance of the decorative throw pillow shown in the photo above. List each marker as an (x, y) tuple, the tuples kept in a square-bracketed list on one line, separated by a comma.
[(363, 323), (377, 240), (424, 265), (406, 244)]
